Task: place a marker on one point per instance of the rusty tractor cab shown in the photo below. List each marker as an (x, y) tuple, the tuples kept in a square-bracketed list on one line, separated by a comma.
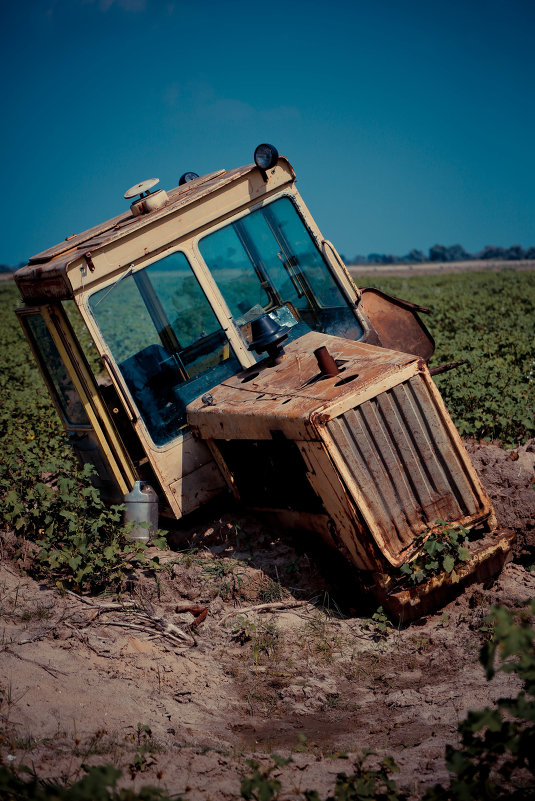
[(210, 338)]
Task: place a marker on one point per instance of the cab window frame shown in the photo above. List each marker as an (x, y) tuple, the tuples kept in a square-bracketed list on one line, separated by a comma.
[(350, 301), (106, 348)]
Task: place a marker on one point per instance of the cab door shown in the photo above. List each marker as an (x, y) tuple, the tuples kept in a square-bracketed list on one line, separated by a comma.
[(77, 400)]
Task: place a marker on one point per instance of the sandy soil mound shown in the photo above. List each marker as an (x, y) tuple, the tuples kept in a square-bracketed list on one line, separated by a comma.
[(509, 476), (238, 648)]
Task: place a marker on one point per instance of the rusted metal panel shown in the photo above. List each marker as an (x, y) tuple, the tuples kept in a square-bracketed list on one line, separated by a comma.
[(195, 489), (125, 238), (35, 284), (397, 323), (383, 453), (346, 527), (293, 394), (404, 463), (488, 556)]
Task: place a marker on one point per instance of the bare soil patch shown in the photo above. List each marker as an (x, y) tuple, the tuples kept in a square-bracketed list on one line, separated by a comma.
[(88, 680), (439, 267)]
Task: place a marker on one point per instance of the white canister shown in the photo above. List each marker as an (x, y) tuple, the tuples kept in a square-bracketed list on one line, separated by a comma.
[(141, 508)]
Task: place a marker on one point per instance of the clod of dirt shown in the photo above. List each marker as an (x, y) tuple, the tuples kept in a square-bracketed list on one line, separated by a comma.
[(509, 476)]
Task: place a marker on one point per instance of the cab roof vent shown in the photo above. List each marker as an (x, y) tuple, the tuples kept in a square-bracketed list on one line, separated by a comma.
[(147, 201)]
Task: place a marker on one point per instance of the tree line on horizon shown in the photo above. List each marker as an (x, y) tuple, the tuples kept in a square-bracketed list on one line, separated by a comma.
[(7, 268), (436, 253), (439, 253)]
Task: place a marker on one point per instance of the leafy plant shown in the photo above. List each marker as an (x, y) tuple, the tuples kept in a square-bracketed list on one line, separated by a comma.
[(443, 549), (322, 637), (143, 734), (260, 785), (487, 319), (146, 746), (44, 494), (379, 625), (263, 638), (496, 759), (82, 543), (271, 591), (225, 576), (365, 782), (99, 784)]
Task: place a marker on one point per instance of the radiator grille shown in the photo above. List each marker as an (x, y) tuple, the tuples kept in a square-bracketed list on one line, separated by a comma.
[(406, 470)]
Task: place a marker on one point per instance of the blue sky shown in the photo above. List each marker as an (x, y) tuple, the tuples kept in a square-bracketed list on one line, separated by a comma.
[(408, 123)]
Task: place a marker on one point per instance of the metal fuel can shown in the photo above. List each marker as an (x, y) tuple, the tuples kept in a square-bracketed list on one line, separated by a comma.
[(141, 508)]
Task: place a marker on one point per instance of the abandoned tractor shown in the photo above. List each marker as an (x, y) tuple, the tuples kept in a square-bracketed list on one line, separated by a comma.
[(210, 339)]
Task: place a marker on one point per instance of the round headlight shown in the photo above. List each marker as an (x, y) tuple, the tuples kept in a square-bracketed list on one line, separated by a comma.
[(265, 156), (187, 177)]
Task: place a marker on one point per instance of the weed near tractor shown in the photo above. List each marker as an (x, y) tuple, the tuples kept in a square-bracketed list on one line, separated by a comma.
[(440, 551)]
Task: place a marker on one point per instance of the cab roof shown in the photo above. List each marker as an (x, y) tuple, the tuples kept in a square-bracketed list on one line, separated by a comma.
[(49, 266)]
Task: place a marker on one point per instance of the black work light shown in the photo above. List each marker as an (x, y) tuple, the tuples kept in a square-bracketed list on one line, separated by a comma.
[(265, 157), (187, 177)]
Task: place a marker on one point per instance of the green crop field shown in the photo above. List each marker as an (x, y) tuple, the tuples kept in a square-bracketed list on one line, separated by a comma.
[(486, 318), (489, 320)]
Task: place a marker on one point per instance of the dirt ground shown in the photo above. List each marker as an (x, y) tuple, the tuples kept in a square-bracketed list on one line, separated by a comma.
[(439, 267), (85, 681)]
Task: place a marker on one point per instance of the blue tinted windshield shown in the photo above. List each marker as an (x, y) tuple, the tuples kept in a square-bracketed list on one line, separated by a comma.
[(269, 259)]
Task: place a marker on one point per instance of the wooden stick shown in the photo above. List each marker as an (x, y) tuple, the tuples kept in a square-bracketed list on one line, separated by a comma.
[(102, 607), (48, 668), (280, 605), (37, 637), (79, 597), (85, 640), (148, 631), (162, 624)]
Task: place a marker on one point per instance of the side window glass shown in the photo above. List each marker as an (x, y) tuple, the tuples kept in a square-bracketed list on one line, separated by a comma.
[(166, 340), (295, 242), (53, 368)]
